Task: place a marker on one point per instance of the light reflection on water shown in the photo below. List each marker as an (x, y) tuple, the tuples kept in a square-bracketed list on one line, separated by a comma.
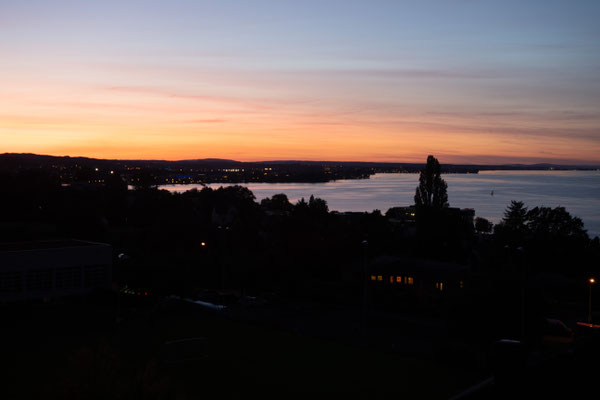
[(577, 191)]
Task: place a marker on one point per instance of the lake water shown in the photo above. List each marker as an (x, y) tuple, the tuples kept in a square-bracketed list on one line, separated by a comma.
[(577, 191)]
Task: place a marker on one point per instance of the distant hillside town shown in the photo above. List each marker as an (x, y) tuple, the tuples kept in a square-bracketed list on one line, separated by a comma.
[(84, 170)]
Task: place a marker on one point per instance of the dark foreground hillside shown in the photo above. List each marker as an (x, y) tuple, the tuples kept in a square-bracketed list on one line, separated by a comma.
[(167, 349)]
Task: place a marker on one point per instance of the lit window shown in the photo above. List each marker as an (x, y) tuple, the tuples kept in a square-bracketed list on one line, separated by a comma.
[(441, 286), (379, 277), (373, 278), (409, 280), (392, 279), (399, 279), (461, 284)]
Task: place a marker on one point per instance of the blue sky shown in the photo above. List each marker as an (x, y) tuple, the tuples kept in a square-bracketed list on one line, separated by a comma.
[(468, 80)]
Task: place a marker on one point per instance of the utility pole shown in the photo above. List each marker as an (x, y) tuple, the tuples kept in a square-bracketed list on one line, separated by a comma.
[(591, 281), (365, 245)]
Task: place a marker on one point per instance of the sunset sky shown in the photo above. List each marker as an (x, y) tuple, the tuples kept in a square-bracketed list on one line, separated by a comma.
[(470, 81)]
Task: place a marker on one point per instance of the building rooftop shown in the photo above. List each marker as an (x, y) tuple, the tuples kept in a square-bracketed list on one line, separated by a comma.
[(425, 267)]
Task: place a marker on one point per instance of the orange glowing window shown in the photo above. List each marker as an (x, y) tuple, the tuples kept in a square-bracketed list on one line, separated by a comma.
[(379, 277), (399, 279), (409, 280), (391, 279), (373, 278)]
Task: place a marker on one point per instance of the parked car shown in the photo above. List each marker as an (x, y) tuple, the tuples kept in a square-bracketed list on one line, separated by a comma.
[(555, 331)]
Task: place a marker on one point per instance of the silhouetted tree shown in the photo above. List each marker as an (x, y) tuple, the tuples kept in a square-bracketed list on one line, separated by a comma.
[(552, 238), (317, 205), (555, 222), (515, 216), (301, 206), (482, 225), (540, 222), (441, 232), (278, 202), (315, 209), (432, 189), (513, 227)]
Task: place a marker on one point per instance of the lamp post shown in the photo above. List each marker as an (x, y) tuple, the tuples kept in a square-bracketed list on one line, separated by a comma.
[(365, 245), (365, 302), (223, 236), (520, 252), (591, 282)]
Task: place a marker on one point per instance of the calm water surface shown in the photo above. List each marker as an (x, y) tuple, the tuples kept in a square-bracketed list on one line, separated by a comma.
[(577, 191)]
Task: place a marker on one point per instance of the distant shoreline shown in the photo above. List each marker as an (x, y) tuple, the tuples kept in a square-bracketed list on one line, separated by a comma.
[(27, 158), (83, 170)]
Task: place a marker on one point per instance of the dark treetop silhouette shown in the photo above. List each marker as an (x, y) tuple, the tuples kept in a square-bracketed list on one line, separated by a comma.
[(432, 189)]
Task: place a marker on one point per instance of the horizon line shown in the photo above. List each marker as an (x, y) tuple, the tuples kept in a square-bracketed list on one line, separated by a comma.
[(582, 163)]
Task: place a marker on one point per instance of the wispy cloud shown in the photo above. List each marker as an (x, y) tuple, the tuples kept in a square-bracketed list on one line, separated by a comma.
[(398, 73), (206, 121)]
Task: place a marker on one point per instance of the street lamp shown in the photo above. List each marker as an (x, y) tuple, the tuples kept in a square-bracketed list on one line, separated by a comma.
[(591, 281), (520, 252), (365, 246)]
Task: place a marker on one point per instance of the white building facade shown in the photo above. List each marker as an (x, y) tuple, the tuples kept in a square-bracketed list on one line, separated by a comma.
[(42, 270)]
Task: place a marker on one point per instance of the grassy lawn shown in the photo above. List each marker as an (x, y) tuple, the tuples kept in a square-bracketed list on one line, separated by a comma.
[(275, 363), (76, 353)]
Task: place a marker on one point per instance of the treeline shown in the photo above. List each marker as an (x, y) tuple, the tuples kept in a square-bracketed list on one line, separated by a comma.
[(207, 238), (225, 238)]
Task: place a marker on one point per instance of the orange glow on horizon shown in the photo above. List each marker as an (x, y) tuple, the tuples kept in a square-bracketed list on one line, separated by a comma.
[(469, 83), (147, 123)]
